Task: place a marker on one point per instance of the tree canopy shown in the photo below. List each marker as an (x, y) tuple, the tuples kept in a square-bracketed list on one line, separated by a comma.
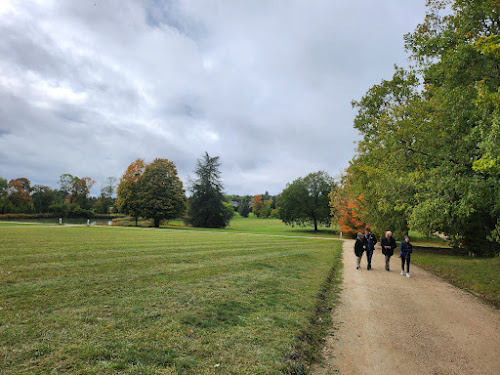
[(161, 192), (151, 190), (429, 158), (206, 205), (306, 200)]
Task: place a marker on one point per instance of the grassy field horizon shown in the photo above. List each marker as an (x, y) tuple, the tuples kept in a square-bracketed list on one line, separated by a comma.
[(97, 300)]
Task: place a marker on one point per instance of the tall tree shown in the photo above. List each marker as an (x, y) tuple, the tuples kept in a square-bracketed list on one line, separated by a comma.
[(161, 194), (429, 153), (206, 204), (128, 199), (306, 200), (105, 200), (19, 194), (66, 181), (258, 206), (42, 197), (80, 191), (109, 187)]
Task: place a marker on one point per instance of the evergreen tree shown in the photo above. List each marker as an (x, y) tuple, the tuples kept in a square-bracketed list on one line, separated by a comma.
[(244, 209), (206, 205)]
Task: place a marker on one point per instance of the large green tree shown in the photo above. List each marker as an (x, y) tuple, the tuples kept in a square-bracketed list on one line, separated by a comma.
[(306, 200), (161, 195), (19, 190), (42, 197), (429, 156), (206, 204)]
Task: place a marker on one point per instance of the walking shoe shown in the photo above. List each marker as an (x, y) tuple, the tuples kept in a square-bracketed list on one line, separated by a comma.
[(407, 275), (357, 267), (402, 272)]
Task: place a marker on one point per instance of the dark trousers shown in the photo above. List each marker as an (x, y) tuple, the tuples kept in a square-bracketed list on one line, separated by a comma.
[(403, 259), (369, 254), (387, 261)]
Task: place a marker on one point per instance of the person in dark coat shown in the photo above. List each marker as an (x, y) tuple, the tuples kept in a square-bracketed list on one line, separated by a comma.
[(370, 241), (359, 249), (406, 250), (388, 244)]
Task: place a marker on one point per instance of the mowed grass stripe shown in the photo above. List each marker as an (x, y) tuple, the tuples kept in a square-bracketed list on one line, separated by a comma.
[(93, 300)]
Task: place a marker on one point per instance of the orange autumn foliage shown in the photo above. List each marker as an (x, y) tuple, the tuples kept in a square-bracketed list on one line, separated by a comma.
[(346, 211)]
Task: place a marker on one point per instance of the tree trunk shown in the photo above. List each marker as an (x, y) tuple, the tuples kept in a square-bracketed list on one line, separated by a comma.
[(136, 220), (315, 225), (157, 222)]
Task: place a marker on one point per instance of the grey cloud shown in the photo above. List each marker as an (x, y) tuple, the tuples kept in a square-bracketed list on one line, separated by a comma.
[(266, 85)]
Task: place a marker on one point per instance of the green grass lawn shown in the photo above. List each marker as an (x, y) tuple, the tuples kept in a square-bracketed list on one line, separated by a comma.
[(253, 224), (478, 275), (80, 300)]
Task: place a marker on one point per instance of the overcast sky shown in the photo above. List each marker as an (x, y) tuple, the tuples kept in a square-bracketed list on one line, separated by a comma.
[(88, 86)]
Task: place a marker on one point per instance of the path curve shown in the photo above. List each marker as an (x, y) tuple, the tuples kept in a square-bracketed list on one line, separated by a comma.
[(389, 324)]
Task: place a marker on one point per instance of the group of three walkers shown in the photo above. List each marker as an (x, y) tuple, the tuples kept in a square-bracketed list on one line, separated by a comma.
[(366, 242)]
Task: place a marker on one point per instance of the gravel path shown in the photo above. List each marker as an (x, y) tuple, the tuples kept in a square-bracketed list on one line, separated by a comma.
[(389, 324)]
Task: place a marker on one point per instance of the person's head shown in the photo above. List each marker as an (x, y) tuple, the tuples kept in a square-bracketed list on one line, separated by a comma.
[(367, 231), (388, 234), (407, 238), (360, 235)]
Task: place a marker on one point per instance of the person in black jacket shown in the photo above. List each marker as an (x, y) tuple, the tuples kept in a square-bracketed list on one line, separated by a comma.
[(358, 249), (388, 244), (406, 250), (370, 241)]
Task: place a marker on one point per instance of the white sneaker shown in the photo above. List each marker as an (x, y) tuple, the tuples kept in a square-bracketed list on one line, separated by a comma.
[(407, 275), (402, 272)]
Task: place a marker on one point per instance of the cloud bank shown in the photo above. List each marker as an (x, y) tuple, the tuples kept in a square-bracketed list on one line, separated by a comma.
[(86, 87)]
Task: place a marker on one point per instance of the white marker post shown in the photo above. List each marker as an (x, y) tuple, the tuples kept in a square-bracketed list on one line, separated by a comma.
[(340, 235), (60, 221), (88, 222)]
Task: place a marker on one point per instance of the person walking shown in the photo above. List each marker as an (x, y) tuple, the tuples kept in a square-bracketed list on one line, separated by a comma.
[(406, 250), (388, 244), (359, 248), (370, 241)]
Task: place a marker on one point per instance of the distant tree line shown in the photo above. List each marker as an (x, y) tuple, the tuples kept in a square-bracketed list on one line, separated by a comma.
[(154, 191), (72, 198)]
